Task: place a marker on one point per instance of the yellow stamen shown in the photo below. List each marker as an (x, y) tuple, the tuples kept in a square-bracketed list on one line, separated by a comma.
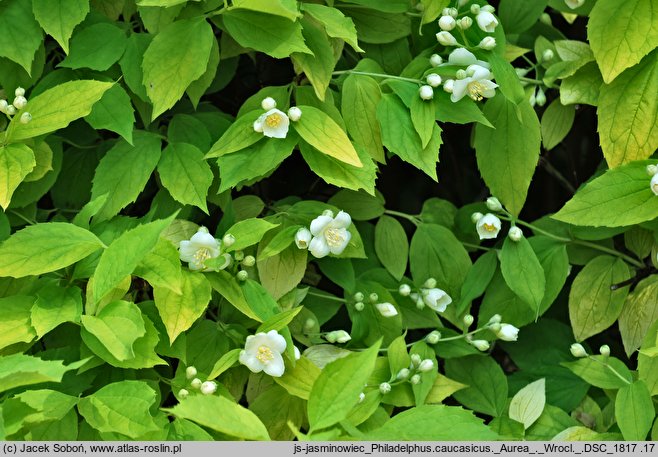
[(273, 120), (201, 255), (264, 354), (489, 227), (334, 237), (475, 90)]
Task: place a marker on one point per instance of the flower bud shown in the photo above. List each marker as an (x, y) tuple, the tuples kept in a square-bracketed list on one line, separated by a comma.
[(415, 379), (545, 18), (461, 74), (328, 212), (386, 309), (268, 103), (480, 345), (465, 23), (494, 204), (20, 102), (495, 319), (294, 113), (430, 283), (533, 98), (228, 240), (183, 393), (508, 332), (362, 397), (436, 60), (515, 233), (3, 106), (433, 337), (605, 350), (359, 306), (445, 12), (298, 355), (258, 126), (331, 337), (373, 297), (495, 327), (403, 374), (651, 169), (25, 118), (208, 388), (433, 80), (447, 23), (196, 383), (475, 217), (577, 350), (487, 43), (426, 92), (303, 238), (190, 372), (547, 55), (309, 324), (448, 85), (468, 320), (475, 9), (415, 360), (541, 97), (486, 21), (238, 256), (654, 184), (358, 296), (11, 110), (384, 388), (420, 303), (521, 72), (342, 336), (453, 12), (242, 275), (488, 8), (446, 39), (573, 4), (404, 290), (19, 92), (426, 365)]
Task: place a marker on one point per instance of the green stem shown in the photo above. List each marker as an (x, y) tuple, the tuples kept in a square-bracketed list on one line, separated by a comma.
[(476, 246), (20, 216), (376, 75), (413, 219), (326, 297), (531, 80), (609, 367)]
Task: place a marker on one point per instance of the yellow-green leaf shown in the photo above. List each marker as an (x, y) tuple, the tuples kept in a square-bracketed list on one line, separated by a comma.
[(16, 162)]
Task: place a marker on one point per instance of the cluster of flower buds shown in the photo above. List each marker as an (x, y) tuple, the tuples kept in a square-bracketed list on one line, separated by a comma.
[(274, 123), (338, 336), (19, 103), (206, 388), (417, 367), (488, 225), (428, 295), (652, 170), (327, 234)]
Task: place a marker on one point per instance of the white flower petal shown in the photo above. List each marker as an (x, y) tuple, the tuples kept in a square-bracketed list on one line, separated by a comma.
[(459, 88), (250, 362), (319, 247), (346, 236), (275, 341), (275, 124), (461, 56), (342, 220), (479, 72), (319, 224), (275, 367)]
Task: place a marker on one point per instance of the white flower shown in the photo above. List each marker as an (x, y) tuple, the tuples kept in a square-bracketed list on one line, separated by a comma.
[(25, 118), (447, 23), (605, 350), (201, 247), (508, 332), (486, 21), (433, 80), (386, 309), (268, 103), (573, 4), (303, 238), (273, 124), (19, 92), (654, 184), (20, 102), (330, 234), (426, 365), (577, 350), (515, 233), (449, 85), (446, 39), (436, 60), (487, 43), (488, 226), (480, 345), (208, 388), (478, 85), (262, 352), (426, 92), (294, 113), (464, 57), (436, 299), (190, 372)]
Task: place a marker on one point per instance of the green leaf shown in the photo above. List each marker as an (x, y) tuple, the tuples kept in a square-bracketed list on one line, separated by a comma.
[(58, 18), (120, 407), (281, 273), (278, 243), (462, 112), (227, 286), (15, 326), (487, 391), (380, 27), (477, 279), (632, 22), (647, 362), (31, 251), (198, 88), (122, 256), (161, 267), (124, 171), (442, 388), (46, 406), (506, 77), (97, 47), (56, 107), (114, 112), (634, 411), (422, 117), (117, 326), (360, 96), (392, 246), (43, 156), (281, 413), (319, 65), (16, 162), (284, 8), (182, 47), (23, 370), (321, 132), (238, 136), (131, 63), (436, 253), (337, 389), (556, 122), (507, 155), (583, 87), (335, 23), (55, 305), (400, 137), (249, 232), (433, 422), (180, 310), (593, 306), (519, 17), (597, 371), (185, 174), (628, 113), (224, 363), (25, 38), (361, 206), (274, 35), (638, 313), (234, 420), (522, 272), (528, 403)]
